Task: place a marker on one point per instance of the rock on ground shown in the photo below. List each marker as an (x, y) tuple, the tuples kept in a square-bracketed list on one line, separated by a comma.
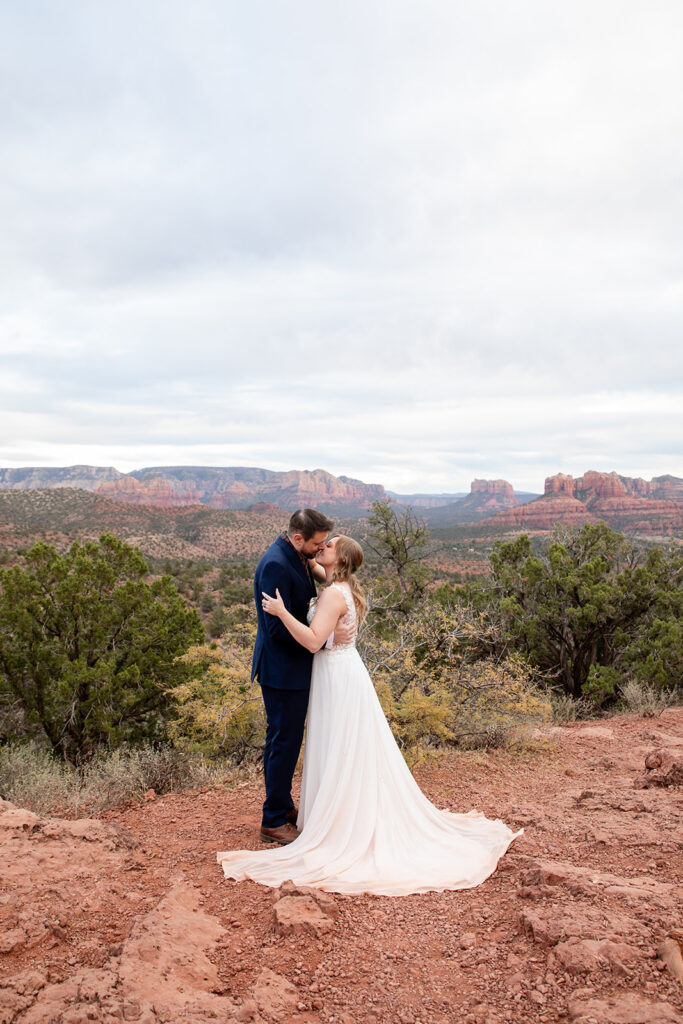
[(274, 995), (663, 767), (626, 1008), (301, 915), (162, 973)]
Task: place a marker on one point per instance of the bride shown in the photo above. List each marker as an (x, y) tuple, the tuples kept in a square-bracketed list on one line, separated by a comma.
[(365, 825)]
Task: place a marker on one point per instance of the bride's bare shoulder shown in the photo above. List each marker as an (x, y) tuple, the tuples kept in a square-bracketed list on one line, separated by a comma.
[(332, 596)]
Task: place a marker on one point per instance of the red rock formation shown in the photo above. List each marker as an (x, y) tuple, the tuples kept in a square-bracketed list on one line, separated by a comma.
[(318, 487), (153, 491), (219, 487), (242, 487), (485, 498), (600, 485), (612, 485), (501, 490), (235, 489), (560, 484), (545, 512), (640, 515), (234, 495), (635, 504), (667, 488), (625, 503), (643, 488)]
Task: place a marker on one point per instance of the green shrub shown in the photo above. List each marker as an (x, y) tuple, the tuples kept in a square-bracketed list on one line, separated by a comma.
[(88, 648), (589, 610), (217, 623), (602, 685), (220, 711), (238, 593)]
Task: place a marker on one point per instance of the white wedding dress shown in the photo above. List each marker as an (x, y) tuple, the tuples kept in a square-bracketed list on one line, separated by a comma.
[(366, 827)]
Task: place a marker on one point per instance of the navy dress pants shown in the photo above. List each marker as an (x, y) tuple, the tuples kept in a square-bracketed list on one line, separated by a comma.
[(286, 715)]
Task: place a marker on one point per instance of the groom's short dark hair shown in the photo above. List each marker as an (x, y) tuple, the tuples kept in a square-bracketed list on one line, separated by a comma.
[(308, 521)]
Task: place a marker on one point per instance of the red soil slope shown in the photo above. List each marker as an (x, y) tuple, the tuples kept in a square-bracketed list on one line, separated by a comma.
[(130, 918)]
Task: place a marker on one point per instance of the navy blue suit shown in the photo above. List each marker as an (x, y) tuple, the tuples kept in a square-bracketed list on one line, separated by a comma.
[(283, 668)]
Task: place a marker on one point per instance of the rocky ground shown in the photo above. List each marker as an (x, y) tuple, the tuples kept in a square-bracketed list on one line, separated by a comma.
[(130, 918)]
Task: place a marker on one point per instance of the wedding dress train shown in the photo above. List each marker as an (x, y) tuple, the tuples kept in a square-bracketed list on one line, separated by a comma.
[(366, 827)]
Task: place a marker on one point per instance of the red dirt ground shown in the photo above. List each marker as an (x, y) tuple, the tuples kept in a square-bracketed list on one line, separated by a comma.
[(132, 919)]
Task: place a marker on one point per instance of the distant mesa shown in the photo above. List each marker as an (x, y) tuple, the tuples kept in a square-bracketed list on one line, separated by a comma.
[(667, 488), (625, 503), (219, 488), (496, 491), (31, 478), (486, 498)]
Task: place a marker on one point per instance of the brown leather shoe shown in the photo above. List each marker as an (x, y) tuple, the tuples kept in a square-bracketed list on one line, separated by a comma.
[(292, 815), (282, 834)]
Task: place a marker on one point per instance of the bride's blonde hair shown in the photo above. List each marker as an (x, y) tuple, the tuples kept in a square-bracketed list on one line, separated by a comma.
[(349, 559)]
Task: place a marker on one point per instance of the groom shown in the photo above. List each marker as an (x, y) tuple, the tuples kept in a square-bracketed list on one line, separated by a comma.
[(283, 666)]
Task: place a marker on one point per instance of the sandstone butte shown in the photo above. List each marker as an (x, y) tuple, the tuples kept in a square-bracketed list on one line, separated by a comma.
[(652, 506), (494, 492), (485, 498), (289, 490)]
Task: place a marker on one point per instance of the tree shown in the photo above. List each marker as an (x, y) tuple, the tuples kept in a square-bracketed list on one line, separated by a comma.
[(655, 654), (218, 622), (88, 648), (398, 541), (577, 610)]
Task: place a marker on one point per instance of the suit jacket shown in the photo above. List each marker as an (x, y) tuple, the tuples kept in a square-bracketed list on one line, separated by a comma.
[(279, 661)]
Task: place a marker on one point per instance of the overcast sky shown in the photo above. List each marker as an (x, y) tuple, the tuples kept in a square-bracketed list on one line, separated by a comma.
[(410, 242)]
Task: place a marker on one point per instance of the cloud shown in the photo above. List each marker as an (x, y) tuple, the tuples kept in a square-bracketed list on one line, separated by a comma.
[(414, 244)]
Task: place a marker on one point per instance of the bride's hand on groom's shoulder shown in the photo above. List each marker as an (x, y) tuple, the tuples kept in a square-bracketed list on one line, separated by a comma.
[(273, 605)]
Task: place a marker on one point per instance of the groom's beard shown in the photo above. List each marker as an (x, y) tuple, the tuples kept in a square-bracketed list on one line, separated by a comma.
[(311, 554)]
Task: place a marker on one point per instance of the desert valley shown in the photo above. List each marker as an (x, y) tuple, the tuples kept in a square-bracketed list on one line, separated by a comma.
[(114, 908), (199, 512)]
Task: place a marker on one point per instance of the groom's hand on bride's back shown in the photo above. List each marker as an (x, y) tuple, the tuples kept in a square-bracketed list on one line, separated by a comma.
[(344, 634)]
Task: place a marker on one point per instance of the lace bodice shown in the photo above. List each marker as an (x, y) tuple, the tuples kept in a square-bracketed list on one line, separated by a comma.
[(349, 619)]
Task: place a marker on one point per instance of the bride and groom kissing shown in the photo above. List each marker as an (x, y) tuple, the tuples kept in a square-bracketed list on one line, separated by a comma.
[(363, 825)]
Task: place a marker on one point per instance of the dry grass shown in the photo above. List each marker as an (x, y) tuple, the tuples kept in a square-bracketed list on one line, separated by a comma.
[(31, 777), (570, 709), (648, 701)]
